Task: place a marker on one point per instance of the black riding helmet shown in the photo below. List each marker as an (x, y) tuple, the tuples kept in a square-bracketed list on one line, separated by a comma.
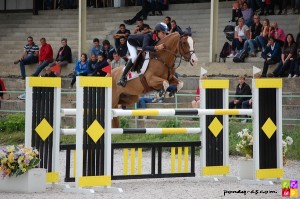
[(161, 27)]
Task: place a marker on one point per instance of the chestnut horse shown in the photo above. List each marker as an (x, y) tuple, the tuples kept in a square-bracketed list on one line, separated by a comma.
[(159, 74)]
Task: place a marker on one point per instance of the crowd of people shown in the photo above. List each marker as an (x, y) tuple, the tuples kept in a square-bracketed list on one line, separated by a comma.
[(252, 36)]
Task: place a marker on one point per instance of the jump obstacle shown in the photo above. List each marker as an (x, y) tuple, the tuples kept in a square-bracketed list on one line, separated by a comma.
[(94, 165)]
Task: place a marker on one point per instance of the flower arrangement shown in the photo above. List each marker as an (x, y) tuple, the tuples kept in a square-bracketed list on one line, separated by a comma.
[(17, 160), (245, 145)]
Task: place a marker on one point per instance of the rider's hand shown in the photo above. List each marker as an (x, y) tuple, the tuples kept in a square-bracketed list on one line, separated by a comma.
[(159, 47)]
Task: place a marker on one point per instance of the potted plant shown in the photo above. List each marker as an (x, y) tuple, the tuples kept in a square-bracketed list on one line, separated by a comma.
[(18, 170)]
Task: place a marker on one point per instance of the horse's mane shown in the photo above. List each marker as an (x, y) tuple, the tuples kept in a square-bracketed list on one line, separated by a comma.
[(169, 36)]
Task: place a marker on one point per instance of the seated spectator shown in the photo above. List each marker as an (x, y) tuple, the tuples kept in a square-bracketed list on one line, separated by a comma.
[(294, 71), (150, 98), (123, 49), (167, 21), (277, 33), (271, 55), (122, 32), (247, 104), (96, 49), (237, 10), (288, 56), (175, 28), (2, 90), (262, 39), (196, 102), (117, 61), (81, 68), (247, 14), (139, 29), (254, 32), (143, 13), (63, 57), (101, 63), (241, 89), (156, 5), (45, 57), (267, 5), (241, 34), (29, 56), (92, 64), (107, 50)]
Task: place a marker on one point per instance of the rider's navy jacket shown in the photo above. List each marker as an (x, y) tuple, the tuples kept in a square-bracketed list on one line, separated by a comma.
[(145, 41)]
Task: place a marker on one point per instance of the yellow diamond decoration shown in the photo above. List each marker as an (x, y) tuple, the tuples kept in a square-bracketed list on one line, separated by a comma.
[(44, 129), (95, 131), (269, 128), (215, 127)]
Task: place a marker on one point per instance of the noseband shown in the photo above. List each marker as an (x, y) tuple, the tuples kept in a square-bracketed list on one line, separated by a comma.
[(184, 53)]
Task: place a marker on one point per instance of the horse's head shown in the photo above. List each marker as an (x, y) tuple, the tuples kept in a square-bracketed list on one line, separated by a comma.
[(186, 49)]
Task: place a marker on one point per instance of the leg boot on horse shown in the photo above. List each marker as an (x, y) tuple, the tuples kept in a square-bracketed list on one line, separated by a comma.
[(123, 80)]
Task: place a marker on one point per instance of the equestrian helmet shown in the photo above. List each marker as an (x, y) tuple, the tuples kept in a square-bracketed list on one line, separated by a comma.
[(161, 27)]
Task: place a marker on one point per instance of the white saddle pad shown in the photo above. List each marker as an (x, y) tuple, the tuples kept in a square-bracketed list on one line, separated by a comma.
[(132, 75)]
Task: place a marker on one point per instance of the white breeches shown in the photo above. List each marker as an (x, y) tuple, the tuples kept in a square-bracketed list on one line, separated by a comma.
[(133, 52)]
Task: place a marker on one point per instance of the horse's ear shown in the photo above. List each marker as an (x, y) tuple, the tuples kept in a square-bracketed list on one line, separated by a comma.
[(188, 31)]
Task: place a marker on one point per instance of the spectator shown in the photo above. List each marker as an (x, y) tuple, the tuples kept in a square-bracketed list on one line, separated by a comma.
[(81, 68), (288, 56), (237, 10), (241, 89), (254, 32), (30, 56), (96, 49), (175, 28), (247, 104), (247, 14), (45, 57), (271, 55), (151, 98), (196, 102), (295, 68), (140, 27), (2, 90), (101, 63), (122, 32), (107, 50), (92, 65), (156, 5), (277, 33), (282, 7), (168, 22), (262, 39), (63, 57), (123, 49), (269, 6), (146, 7), (241, 34), (117, 61)]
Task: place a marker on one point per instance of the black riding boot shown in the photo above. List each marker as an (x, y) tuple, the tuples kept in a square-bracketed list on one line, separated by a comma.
[(123, 80)]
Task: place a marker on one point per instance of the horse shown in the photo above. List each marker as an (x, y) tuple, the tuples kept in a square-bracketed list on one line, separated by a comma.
[(159, 74)]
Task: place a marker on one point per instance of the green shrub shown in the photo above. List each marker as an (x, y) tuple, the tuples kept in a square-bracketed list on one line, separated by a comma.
[(124, 122), (12, 122), (171, 123)]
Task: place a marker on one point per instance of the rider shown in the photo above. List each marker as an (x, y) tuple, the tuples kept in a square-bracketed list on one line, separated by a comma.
[(147, 42)]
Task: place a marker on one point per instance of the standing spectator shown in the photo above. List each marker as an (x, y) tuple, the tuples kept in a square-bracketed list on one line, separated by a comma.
[(247, 14), (254, 32), (146, 7), (167, 21), (241, 89), (122, 32), (92, 64), (107, 50), (45, 58), (288, 56), (101, 63), (81, 68), (2, 89), (175, 28), (241, 34), (156, 5), (196, 102), (64, 55), (29, 56), (271, 55), (117, 61), (277, 33), (262, 39), (96, 49), (123, 49)]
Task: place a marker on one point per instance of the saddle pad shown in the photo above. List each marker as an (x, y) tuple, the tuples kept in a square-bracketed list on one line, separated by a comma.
[(132, 75)]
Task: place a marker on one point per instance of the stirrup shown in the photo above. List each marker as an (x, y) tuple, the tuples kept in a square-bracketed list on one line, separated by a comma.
[(122, 81)]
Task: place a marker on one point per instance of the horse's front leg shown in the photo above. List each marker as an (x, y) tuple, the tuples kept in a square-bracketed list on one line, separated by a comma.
[(175, 86)]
